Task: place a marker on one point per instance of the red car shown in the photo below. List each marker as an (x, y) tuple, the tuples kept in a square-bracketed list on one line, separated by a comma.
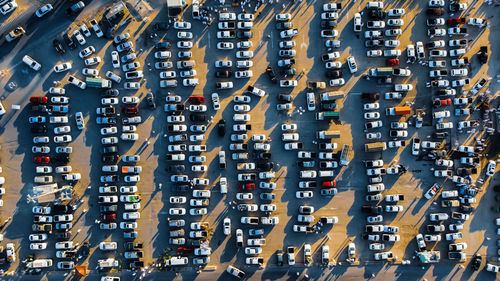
[(455, 21), (329, 183), (441, 102), (108, 217), (41, 160), (246, 186), (130, 110), (196, 99), (392, 62), (184, 251), (38, 99)]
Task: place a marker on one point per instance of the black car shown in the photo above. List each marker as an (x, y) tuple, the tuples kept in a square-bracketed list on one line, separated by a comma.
[(370, 96), (483, 54), (150, 99), (265, 166), (110, 93), (132, 246), (374, 43), (63, 209), (61, 158), (58, 46), (75, 8), (328, 24), (372, 209), (496, 188), (198, 117), (179, 188), (262, 155), (39, 129), (66, 235), (176, 168), (223, 74), (475, 264), (377, 14), (285, 97), (289, 71), (159, 26), (39, 108), (110, 149), (467, 209), (162, 45), (221, 127), (245, 34), (333, 73), (328, 106), (108, 208), (69, 41), (272, 75), (435, 11), (440, 135), (109, 158)]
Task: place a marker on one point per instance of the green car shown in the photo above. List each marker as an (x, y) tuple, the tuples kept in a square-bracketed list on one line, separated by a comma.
[(130, 198)]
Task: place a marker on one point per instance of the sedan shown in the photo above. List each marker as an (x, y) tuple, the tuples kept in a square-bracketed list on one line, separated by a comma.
[(225, 46), (62, 67)]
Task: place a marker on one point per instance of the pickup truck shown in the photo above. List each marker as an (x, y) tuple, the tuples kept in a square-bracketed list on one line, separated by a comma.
[(42, 228), (133, 255), (225, 25), (174, 107), (105, 110), (131, 246), (371, 209), (394, 198), (272, 75), (136, 265), (256, 91)]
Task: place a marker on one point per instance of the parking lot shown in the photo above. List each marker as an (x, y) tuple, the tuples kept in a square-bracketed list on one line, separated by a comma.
[(158, 198)]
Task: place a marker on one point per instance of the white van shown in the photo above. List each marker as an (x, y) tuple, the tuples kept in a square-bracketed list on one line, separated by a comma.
[(227, 16), (2, 109), (40, 263), (58, 119), (377, 187), (326, 174), (168, 83), (107, 263), (392, 53), (308, 174), (177, 261), (223, 185), (196, 9), (410, 53), (33, 64), (290, 137)]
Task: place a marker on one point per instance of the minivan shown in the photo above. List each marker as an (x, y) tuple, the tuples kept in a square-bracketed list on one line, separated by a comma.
[(309, 174), (177, 261), (40, 263), (325, 174)]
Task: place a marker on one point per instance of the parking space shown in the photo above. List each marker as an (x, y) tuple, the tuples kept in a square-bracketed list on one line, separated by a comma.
[(286, 140)]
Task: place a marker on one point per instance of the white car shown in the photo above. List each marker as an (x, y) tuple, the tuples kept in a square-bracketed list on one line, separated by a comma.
[(395, 12), (374, 53), (182, 25), (303, 194), (62, 67), (403, 87), (184, 44), (225, 46), (288, 83), (395, 22), (227, 226)]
